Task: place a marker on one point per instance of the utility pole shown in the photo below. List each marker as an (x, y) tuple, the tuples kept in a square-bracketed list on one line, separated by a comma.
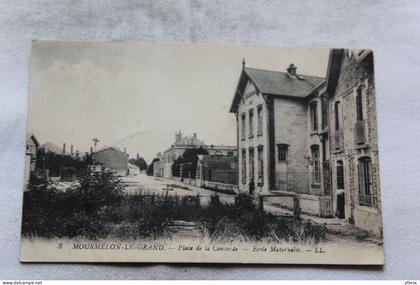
[(95, 142)]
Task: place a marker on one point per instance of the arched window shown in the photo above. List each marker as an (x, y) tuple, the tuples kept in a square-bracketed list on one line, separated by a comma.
[(340, 175)]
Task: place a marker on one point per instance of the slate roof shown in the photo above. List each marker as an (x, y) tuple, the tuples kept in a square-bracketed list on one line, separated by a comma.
[(281, 83), (112, 148), (276, 83)]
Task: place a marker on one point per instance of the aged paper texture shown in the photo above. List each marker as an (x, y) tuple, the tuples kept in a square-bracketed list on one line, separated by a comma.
[(141, 152)]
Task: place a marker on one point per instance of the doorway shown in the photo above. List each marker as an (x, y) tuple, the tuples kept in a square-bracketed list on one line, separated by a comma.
[(341, 201)]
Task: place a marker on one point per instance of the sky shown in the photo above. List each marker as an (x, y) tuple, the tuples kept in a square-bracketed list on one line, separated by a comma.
[(136, 95)]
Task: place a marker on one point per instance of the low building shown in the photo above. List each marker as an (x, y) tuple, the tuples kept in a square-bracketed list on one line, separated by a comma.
[(32, 145), (113, 158), (133, 170), (217, 172), (158, 168)]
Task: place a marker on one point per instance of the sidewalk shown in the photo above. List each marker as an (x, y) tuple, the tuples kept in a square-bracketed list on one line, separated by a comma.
[(335, 226)]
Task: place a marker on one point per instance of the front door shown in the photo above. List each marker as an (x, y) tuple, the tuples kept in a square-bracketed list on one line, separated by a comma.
[(282, 176), (341, 201)]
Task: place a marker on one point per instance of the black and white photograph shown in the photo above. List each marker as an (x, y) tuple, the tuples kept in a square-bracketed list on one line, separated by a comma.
[(201, 153)]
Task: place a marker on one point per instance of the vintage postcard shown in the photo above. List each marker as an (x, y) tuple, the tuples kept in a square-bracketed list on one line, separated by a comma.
[(143, 152)]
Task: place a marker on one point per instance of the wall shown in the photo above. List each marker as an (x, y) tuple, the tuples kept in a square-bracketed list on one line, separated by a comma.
[(353, 75), (290, 127), (252, 101), (114, 159)]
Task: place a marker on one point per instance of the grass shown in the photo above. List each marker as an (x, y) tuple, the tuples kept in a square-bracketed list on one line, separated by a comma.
[(88, 213)]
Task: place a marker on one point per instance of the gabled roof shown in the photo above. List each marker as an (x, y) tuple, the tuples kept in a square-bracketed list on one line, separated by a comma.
[(112, 148), (333, 70), (32, 136), (130, 165), (276, 83)]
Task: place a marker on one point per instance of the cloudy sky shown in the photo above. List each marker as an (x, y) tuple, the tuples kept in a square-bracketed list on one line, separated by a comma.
[(136, 95)]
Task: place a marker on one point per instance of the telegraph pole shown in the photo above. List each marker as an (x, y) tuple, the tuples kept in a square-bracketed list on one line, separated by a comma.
[(95, 142)]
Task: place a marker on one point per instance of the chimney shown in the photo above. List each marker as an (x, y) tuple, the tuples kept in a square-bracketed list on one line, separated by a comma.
[(292, 70), (91, 150), (64, 148), (195, 135), (71, 150), (125, 150)]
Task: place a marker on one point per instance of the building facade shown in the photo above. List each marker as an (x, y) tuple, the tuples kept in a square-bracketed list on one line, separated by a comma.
[(112, 158), (311, 136), (353, 131), (183, 143), (273, 120)]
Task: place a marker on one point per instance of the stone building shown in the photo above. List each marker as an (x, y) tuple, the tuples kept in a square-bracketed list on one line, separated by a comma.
[(354, 138), (177, 149), (183, 143), (314, 137), (277, 123), (112, 158)]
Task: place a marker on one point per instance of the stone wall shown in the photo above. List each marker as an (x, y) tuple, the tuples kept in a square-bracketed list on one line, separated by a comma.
[(354, 75)]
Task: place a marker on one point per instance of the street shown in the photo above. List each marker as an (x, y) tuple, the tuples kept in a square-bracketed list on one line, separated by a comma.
[(159, 185)]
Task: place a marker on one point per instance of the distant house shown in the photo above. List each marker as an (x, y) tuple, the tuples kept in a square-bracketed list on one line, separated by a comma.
[(112, 158), (133, 170), (217, 171), (181, 144), (158, 168), (32, 145)]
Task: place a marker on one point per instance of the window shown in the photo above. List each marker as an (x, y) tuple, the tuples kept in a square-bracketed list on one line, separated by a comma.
[(314, 116), (366, 196), (337, 115), (324, 110), (260, 120), (260, 165), (251, 164), (243, 166), (243, 119), (340, 175), (316, 167), (359, 105), (251, 123), (282, 152)]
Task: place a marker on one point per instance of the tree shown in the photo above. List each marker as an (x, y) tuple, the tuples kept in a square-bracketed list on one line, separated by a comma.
[(59, 163), (140, 162)]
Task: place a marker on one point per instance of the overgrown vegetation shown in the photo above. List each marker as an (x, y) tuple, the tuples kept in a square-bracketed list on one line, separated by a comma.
[(99, 209)]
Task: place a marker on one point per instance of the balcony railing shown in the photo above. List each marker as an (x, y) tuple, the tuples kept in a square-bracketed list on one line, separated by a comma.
[(338, 140), (360, 132), (367, 200)]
